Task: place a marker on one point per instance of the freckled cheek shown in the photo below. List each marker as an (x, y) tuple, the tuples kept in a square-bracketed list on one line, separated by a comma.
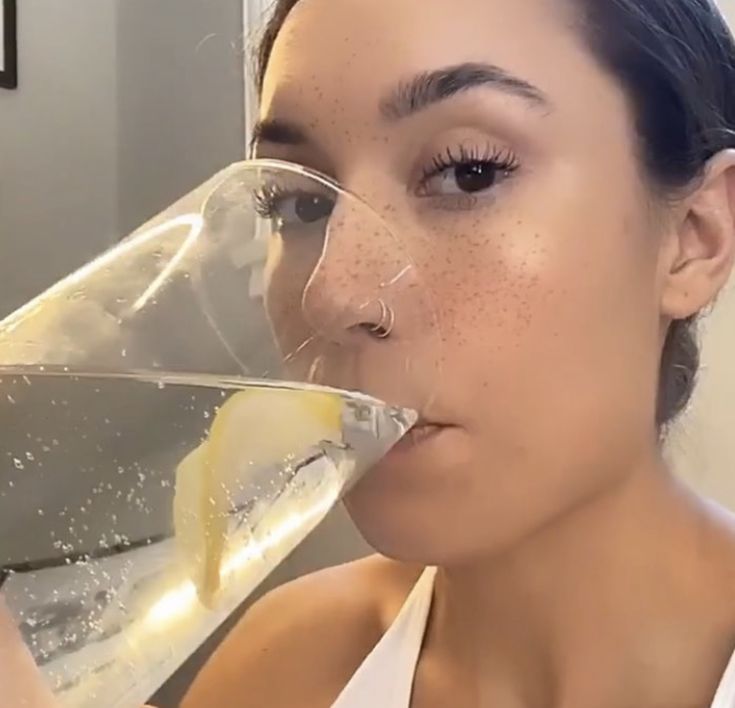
[(491, 285)]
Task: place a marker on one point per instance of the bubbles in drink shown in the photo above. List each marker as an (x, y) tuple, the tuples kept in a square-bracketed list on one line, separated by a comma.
[(147, 523)]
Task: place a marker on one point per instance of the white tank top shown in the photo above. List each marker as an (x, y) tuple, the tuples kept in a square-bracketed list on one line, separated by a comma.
[(386, 676)]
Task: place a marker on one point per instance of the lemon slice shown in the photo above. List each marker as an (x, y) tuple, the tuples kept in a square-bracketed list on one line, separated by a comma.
[(255, 428)]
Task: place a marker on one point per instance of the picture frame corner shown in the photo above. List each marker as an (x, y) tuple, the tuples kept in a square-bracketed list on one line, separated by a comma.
[(8, 44)]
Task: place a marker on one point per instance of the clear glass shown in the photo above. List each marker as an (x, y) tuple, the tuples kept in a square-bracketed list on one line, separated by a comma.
[(180, 413)]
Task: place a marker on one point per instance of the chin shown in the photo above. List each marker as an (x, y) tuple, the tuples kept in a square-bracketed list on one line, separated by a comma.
[(436, 542), (406, 506), (446, 519), (413, 530), (389, 519)]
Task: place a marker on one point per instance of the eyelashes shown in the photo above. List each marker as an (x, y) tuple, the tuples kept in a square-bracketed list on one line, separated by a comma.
[(267, 198), (292, 208), (466, 171), (451, 175), (501, 159)]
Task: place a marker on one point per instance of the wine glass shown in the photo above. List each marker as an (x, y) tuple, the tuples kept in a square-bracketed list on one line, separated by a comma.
[(181, 412)]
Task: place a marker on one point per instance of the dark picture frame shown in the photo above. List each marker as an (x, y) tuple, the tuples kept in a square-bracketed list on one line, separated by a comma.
[(9, 50)]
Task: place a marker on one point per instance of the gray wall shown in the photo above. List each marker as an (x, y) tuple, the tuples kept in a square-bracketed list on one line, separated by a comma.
[(58, 151), (180, 99), (123, 106)]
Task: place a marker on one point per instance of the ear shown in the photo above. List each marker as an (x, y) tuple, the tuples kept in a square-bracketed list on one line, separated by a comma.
[(698, 259)]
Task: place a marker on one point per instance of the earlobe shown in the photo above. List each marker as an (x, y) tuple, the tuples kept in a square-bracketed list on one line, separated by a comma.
[(700, 261)]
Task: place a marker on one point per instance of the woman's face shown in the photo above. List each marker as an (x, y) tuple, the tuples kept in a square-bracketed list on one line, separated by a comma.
[(502, 155)]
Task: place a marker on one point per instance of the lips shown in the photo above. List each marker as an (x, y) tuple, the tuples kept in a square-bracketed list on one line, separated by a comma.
[(420, 432), (423, 430)]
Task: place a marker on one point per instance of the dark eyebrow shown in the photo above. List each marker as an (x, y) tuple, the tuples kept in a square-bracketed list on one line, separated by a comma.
[(279, 132), (431, 87)]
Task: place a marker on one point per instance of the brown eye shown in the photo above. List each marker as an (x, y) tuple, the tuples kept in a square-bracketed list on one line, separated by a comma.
[(474, 177), (293, 209), (309, 208), (466, 178), (467, 172)]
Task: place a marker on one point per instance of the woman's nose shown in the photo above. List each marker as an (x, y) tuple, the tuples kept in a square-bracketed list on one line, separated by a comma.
[(349, 294)]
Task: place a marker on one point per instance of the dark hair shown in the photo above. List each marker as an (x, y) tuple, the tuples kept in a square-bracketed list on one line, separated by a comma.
[(676, 61)]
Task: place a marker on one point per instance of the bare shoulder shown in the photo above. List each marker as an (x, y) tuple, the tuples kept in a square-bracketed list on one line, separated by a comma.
[(300, 644)]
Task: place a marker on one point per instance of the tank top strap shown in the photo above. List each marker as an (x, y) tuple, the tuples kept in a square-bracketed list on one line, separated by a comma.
[(725, 696), (386, 676)]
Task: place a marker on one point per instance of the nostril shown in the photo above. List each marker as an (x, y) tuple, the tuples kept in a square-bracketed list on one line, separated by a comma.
[(383, 328), (375, 330)]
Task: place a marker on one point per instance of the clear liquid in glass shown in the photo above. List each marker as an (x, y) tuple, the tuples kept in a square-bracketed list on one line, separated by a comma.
[(91, 573)]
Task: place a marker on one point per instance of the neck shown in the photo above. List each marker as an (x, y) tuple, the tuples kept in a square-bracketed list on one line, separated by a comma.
[(599, 602)]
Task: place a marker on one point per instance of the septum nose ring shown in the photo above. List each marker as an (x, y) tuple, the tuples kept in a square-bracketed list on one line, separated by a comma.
[(384, 327)]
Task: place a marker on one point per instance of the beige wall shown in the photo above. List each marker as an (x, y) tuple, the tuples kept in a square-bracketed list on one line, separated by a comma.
[(703, 445)]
